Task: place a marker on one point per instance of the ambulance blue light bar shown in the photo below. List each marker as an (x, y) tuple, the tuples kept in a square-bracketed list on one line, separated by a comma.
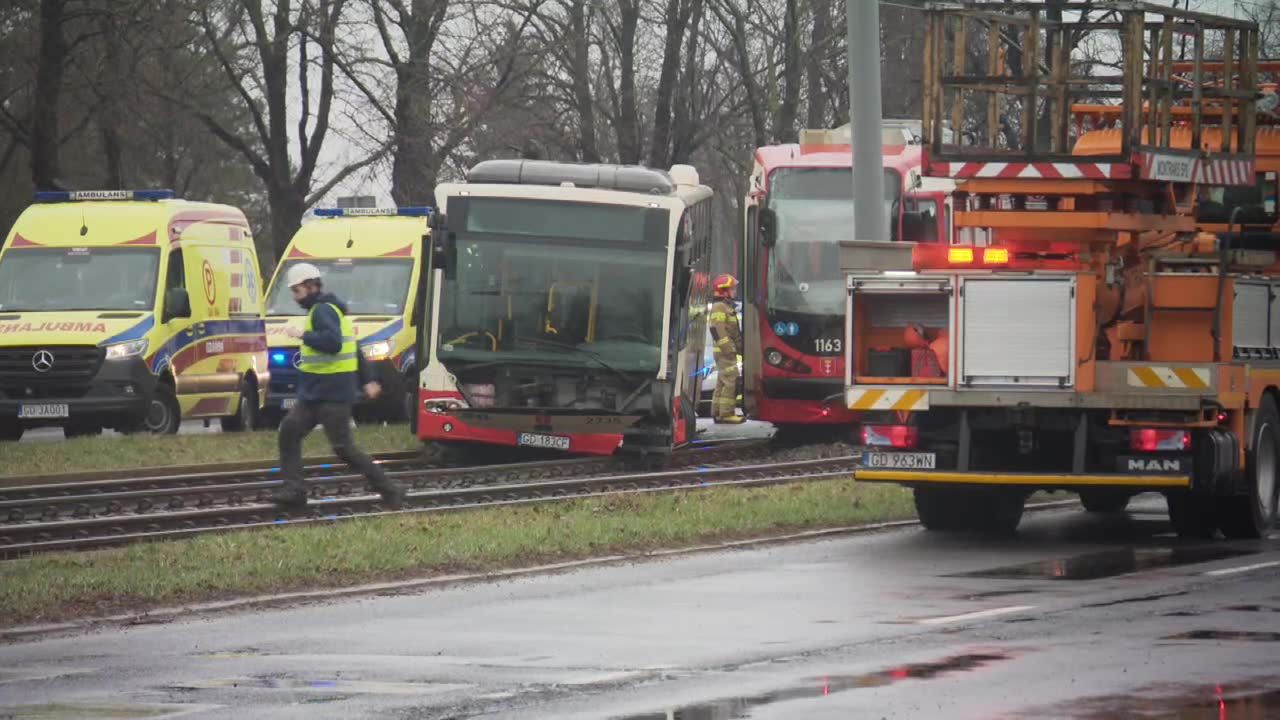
[(373, 212), (74, 195)]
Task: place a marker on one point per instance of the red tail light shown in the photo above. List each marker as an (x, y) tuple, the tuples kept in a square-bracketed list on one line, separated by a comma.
[(901, 437), (1153, 440)]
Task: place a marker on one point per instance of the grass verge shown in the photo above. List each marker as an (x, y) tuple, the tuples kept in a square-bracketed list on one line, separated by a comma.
[(144, 451), (58, 586)]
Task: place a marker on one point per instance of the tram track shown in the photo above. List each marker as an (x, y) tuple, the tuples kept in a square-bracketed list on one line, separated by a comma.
[(86, 533), (96, 512)]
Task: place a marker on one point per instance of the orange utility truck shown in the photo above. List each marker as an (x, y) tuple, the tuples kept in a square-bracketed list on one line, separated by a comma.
[(1098, 337)]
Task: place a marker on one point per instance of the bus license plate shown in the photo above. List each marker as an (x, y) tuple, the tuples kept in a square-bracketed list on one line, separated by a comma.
[(900, 461), (44, 411), (555, 442)]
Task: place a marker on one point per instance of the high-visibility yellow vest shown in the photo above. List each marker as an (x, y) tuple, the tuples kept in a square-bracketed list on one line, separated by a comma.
[(318, 363)]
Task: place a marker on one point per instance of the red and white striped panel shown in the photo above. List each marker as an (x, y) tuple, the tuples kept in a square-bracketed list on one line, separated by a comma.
[(1226, 172), (1039, 171)]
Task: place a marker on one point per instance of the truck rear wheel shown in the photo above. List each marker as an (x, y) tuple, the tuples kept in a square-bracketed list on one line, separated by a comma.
[(1104, 501), (941, 509), (1252, 515), (996, 511), (1192, 516)]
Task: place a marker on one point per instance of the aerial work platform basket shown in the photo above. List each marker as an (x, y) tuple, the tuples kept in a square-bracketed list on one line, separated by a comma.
[(1001, 81)]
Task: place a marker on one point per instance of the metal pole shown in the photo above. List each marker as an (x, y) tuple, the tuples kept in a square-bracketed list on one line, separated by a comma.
[(864, 120)]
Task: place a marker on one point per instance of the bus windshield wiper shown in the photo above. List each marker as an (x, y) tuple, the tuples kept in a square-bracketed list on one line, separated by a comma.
[(574, 348)]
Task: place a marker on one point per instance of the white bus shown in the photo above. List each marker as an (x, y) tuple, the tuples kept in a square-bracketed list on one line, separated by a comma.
[(567, 308)]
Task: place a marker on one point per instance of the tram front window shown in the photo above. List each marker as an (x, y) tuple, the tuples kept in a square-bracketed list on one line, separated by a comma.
[(814, 209), (554, 303)]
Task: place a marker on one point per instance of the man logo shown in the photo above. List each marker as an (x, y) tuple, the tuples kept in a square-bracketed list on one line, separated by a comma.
[(42, 361), (1155, 465)]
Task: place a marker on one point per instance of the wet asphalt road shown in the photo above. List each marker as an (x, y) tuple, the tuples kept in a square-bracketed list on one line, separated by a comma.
[(1079, 617)]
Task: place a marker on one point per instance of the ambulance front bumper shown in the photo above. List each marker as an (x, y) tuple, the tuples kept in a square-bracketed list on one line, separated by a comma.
[(116, 395)]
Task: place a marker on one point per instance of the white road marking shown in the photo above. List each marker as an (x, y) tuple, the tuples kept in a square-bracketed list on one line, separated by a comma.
[(1243, 568), (975, 615)]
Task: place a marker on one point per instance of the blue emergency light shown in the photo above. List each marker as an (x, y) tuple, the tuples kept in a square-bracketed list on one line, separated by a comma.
[(373, 212), (279, 359), (74, 195)]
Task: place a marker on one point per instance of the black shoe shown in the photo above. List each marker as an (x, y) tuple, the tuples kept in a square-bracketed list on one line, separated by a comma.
[(393, 499), (289, 499)]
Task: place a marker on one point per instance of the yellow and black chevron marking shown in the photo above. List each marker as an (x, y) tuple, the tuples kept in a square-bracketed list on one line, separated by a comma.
[(887, 399), (1169, 378)]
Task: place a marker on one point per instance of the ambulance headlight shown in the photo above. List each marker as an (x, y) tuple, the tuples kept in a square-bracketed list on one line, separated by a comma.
[(123, 350), (380, 350)]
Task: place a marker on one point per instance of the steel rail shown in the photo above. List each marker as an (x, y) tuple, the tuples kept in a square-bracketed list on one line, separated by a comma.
[(100, 532)]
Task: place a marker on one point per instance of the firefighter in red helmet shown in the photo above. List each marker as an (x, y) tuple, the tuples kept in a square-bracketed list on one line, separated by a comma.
[(727, 337)]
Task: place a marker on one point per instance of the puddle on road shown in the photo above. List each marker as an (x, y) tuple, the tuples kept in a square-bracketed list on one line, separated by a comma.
[(1242, 635), (1109, 563), (1252, 608), (1255, 700), (321, 685), (739, 707)]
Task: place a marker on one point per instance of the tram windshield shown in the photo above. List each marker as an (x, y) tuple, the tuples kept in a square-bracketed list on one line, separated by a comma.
[(814, 208)]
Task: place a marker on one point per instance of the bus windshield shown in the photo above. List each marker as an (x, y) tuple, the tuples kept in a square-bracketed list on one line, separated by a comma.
[(554, 302), (368, 286), (814, 208), (59, 279)]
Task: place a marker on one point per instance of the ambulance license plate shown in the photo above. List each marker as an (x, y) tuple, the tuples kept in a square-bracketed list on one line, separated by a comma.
[(288, 403), (555, 442), (44, 411), (900, 461)]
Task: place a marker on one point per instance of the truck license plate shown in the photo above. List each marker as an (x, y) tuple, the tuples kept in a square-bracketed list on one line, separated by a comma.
[(555, 442), (44, 411), (900, 461)]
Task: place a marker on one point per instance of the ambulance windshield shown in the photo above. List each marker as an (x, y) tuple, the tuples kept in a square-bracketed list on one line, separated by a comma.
[(368, 286), (814, 207), (60, 279)]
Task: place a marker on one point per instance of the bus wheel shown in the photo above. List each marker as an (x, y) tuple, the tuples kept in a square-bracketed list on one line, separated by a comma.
[(164, 416), (1251, 516), (940, 508), (246, 417), (1192, 516), (1102, 501)]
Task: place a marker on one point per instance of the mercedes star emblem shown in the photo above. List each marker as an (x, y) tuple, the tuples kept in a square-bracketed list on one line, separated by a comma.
[(42, 361)]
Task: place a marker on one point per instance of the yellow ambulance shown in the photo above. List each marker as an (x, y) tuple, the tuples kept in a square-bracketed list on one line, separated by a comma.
[(129, 310), (369, 258)]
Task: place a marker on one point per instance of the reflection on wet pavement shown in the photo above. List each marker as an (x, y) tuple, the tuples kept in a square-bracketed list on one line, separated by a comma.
[(321, 685), (1254, 700), (100, 711), (1252, 636), (1109, 563), (739, 707)]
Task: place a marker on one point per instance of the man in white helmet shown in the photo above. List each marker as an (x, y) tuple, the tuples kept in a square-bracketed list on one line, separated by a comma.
[(330, 372)]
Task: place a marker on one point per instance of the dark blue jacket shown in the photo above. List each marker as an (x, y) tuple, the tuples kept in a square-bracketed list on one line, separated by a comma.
[(326, 337)]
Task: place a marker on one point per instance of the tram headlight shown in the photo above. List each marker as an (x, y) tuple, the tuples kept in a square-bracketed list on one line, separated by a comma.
[(773, 357)]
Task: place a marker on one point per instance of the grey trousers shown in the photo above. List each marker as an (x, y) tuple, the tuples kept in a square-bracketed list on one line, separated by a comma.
[(335, 418)]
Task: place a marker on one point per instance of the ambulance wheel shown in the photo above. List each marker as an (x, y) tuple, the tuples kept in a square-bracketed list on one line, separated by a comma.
[(1192, 516), (10, 433), (1251, 516), (164, 416), (1104, 502), (940, 509), (246, 417), (78, 430)]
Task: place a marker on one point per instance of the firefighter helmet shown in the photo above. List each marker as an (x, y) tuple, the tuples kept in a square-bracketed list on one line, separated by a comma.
[(725, 285)]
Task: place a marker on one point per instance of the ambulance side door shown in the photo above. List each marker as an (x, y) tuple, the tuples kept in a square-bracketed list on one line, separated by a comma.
[(208, 374)]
